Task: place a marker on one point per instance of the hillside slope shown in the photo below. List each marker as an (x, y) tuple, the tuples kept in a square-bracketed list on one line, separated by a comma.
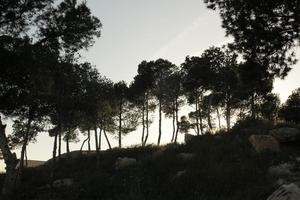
[(212, 168)]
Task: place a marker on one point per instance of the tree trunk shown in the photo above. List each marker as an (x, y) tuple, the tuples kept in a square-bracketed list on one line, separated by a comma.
[(173, 126), (84, 141), (67, 141), (54, 147), (159, 125), (89, 140), (99, 143), (209, 111), (108, 143), (96, 138), (197, 115), (143, 124), (59, 142), (11, 162), (253, 114), (177, 121), (200, 117), (25, 142), (147, 120), (26, 158), (219, 117), (228, 116), (120, 124)]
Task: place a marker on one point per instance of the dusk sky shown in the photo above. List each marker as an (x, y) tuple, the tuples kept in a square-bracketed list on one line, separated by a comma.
[(136, 30)]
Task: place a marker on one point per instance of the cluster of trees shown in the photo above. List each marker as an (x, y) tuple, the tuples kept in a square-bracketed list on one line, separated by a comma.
[(42, 83), (39, 45)]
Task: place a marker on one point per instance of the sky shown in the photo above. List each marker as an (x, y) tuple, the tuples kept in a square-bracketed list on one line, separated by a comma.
[(137, 30)]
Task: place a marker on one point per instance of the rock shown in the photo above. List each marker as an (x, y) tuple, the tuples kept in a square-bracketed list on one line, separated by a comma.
[(67, 182), (286, 134), (124, 162), (188, 137), (186, 156), (179, 174), (281, 171), (286, 192), (264, 142)]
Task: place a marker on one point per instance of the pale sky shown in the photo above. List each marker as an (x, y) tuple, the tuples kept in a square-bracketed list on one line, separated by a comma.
[(136, 30)]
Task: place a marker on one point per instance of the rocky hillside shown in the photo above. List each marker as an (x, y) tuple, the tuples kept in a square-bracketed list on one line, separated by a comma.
[(211, 167)]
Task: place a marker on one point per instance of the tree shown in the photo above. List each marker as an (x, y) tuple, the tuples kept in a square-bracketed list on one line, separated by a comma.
[(255, 83), (161, 71), (141, 95), (264, 31), (184, 125), (197, 75), (290, 110), (270, 106), (127, 117), (172, 101), (59, 31), (225, 90)]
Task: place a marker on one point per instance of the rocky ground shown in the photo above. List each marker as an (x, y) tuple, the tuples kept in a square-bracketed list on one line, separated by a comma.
[(233, 166)]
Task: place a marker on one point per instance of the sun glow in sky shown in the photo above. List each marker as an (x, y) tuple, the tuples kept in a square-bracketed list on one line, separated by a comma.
[(136, 30)]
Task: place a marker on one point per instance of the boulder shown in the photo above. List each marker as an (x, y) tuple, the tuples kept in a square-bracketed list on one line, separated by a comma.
[(264, 142), (286, 192), (124, 162), (281, 171), (186, 156), (179, 174), (67, 182), (188, 137), (286, 134)]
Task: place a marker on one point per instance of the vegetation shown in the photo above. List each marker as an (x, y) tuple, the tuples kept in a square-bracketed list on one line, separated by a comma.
[(42, 84), (225, 167)]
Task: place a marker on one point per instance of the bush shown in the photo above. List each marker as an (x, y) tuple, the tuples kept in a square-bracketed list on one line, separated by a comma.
[(249, 126)]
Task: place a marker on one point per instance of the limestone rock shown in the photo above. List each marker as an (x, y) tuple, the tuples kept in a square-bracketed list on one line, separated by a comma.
[(67, 182), (286, 134), (264, 142), (124, 162), (188, 137), (281, 171), (286, 192), (179, 174)]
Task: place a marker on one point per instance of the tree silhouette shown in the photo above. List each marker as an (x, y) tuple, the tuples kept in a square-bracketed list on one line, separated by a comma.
[(265, 31), (290, 110), (161, 71), (141, 95)]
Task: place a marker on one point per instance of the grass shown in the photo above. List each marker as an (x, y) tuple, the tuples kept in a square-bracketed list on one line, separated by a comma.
[(225, 167)]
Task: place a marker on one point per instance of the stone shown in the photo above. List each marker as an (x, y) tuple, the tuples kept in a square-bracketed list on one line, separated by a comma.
[(67, 182), (186, 156), (188, 137), (179, 174), (286, 134), (281, 171), (264, 142), (286, 192), (124, 162)]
